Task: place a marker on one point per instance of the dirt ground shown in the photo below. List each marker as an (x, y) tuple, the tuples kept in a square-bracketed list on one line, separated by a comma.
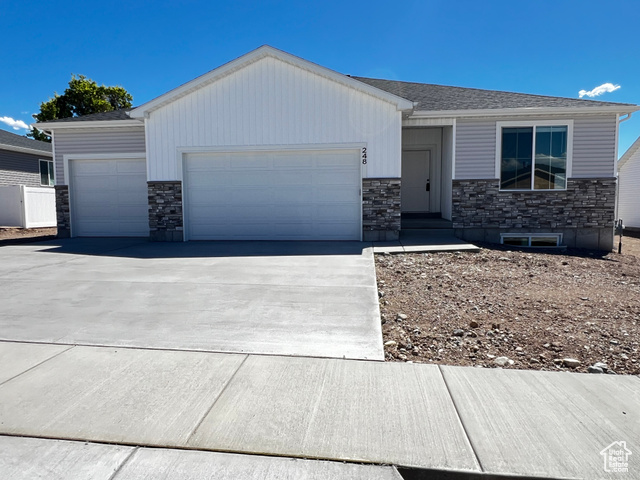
[(541, 311), (9, 234)]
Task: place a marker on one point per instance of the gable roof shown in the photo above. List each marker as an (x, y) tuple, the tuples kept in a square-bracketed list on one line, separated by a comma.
[(629, 153), (441, 98), (421, 99), (255, 55), (18, 143)]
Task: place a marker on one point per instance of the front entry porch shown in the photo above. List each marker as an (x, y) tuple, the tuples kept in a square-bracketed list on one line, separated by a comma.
[(427, 160)]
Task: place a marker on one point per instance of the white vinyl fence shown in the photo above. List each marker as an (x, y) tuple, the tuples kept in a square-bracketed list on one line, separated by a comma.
[(27, 207)]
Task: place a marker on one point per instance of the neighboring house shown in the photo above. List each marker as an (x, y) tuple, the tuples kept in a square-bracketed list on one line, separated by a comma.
[(271, 146), (629, 187), (24, 161)]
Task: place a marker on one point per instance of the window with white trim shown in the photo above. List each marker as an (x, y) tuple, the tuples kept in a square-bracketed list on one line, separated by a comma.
[(47, 178), (534, 157), (531, 239)]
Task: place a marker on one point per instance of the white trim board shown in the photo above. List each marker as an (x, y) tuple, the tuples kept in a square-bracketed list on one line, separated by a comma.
[(50, 126), (526, 111)]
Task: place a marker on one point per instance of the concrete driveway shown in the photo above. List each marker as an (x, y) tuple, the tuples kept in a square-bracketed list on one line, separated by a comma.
[(284, 298)]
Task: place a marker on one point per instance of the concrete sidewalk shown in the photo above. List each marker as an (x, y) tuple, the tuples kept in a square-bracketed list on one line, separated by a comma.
[(451, 419), (26, 458)]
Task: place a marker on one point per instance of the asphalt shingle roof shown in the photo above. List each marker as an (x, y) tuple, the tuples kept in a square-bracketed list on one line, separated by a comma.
[(429, 97), (96, 117), (13, 140), (440, 97)]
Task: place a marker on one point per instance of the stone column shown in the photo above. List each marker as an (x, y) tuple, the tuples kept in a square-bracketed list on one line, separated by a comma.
[(63, 216), (380, 209), (165, 211)]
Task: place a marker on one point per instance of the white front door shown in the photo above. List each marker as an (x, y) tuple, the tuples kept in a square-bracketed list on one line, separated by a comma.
[(273, 195), (415, 189)]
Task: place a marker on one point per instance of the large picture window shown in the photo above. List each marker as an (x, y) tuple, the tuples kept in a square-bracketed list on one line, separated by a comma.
[(534, 157)]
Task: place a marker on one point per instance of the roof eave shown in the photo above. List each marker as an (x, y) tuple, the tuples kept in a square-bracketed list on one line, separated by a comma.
[(499, 112), (49, 126), (629, 153), (402, 104), (31, 151)]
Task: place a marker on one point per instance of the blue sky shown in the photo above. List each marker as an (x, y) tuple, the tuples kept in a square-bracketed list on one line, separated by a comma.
[(549, 47)]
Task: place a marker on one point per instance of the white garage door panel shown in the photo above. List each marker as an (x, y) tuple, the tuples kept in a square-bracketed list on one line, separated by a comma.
[(284, 195), (109, 197)]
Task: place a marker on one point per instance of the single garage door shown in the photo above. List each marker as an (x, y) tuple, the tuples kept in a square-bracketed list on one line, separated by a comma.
[(273, 195), (109, 198)]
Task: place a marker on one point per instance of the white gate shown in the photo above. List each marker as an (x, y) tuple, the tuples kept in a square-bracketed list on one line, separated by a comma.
[(27, 207)]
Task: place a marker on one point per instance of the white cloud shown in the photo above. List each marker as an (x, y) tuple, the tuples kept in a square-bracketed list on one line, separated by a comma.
[(604, 88), (15, 124)]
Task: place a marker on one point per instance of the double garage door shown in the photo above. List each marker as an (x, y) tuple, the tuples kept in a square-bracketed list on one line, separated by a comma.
[(273, 195), (266, 195)]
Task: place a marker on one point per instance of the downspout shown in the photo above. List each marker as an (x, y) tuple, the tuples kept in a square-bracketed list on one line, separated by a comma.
[(620, 120)]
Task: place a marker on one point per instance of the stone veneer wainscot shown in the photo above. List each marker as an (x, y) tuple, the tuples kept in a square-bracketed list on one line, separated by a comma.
[(165, 211), (584, 212), (380, 209)]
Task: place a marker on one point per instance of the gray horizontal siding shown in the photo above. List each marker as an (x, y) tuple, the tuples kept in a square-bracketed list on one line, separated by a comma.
[(594, 144), (20, 168), (475, 149), (95, 141), (594, 147)]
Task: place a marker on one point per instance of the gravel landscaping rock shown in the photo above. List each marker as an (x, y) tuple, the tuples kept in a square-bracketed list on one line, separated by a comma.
[(503, 361), (571, 362), (530, 307)]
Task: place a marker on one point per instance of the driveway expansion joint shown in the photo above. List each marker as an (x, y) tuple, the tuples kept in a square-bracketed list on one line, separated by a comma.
[(36, 365), (123, 463), (186, 442), (462, 425)]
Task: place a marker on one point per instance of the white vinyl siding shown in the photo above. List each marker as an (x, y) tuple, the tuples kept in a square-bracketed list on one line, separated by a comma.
[(594, 140), (475, 149), (95, 141), (271, 103), (629, 196)]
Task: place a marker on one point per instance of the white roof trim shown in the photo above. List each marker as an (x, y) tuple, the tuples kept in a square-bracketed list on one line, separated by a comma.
[(32, 151), (629, 153), (501, 112), (48, 126), (143, 110)]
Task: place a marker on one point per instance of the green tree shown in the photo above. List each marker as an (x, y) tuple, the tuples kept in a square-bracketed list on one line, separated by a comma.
[(82, 97)]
